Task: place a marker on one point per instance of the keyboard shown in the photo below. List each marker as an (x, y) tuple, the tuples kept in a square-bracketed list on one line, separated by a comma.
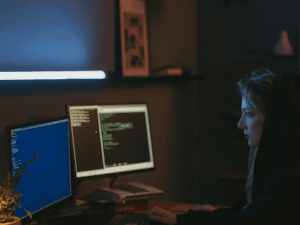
[(136, 218), (129, 188)]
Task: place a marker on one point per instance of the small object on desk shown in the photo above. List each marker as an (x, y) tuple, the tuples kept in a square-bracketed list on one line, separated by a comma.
[(122, 195)]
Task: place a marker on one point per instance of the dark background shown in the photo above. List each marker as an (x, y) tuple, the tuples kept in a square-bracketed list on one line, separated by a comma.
[(193, 145)]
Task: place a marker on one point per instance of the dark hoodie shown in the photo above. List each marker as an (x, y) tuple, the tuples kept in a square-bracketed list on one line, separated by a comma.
[(276, 167)]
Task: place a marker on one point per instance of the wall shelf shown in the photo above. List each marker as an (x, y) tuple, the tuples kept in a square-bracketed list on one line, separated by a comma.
[(41, 86), (154, 79), (250, 57)]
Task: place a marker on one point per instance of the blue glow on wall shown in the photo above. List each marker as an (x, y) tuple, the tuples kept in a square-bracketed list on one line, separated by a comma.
[(56, 35)]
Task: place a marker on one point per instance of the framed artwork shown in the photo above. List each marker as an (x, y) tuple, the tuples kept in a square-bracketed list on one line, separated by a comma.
[(134, 41)]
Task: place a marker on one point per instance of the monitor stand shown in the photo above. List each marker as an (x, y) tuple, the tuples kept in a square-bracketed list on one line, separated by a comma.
[(111, 184)]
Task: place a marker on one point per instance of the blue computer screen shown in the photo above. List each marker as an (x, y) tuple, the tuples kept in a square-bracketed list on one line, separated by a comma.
[(49, 178)]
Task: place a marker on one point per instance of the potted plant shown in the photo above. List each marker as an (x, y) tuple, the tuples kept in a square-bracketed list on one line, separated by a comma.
[(10, 197)]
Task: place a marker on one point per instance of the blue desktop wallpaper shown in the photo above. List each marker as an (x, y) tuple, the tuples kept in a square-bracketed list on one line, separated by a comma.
[(48, 179), (57, 35)]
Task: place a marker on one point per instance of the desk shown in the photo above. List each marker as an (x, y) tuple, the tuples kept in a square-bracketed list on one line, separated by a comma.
[(151, 204), (162, 204)]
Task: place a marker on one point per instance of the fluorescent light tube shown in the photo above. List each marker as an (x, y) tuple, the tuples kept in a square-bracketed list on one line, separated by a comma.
[(52, 75)]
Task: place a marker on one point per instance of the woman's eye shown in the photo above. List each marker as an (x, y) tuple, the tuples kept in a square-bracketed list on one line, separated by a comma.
[(249, 114)]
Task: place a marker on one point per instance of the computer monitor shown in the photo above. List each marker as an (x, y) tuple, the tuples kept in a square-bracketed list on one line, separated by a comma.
[(110, 139), (48, 182)]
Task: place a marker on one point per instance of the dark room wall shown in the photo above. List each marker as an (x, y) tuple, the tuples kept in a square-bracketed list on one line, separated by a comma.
[(193, 146), (223, 30), (173, 34)]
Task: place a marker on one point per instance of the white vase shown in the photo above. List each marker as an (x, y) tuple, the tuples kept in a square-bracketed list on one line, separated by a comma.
[(283, 46), (13, 220)]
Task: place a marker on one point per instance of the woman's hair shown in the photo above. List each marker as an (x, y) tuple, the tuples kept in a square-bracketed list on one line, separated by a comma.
[(256, 88)]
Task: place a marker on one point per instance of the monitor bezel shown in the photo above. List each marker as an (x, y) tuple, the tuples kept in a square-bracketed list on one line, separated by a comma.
[(55, 206), (78, 179)]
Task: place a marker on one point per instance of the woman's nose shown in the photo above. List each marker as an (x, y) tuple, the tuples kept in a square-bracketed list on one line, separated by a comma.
[(240, 124)]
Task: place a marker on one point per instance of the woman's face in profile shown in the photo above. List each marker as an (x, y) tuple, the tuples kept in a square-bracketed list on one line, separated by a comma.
[(252, 123)]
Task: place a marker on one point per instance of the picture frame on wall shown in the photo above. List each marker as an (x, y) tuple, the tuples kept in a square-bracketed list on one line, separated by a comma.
[(134, 40)]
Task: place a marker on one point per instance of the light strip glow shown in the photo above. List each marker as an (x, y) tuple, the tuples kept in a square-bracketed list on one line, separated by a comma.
[(52, 75)]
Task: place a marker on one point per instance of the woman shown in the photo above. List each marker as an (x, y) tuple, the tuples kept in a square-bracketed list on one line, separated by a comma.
[(271, 122)]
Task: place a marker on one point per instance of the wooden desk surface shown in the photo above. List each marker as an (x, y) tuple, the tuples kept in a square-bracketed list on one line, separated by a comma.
[(162, 204)]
